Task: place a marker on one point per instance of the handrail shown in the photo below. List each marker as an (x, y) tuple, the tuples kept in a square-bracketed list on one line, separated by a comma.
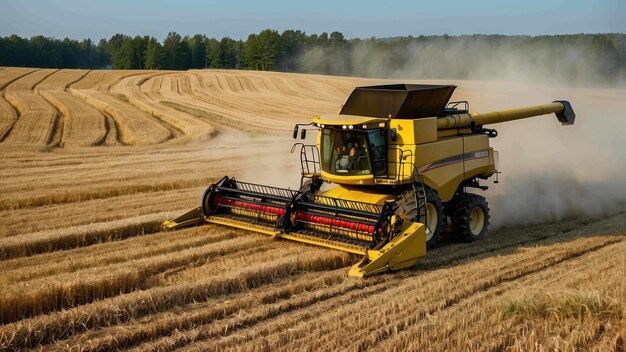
[(310, 161)]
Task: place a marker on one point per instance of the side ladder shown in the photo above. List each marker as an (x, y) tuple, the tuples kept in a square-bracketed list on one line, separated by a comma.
[(420, 200)]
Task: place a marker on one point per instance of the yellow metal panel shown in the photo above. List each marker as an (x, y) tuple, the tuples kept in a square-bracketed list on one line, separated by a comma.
[(190, 218), (348, 180), (358, 195), (401, 252), (482, 161), (425, 130), (442, 176), (431, 152), (475, 143), (445, 180), (405, 131)]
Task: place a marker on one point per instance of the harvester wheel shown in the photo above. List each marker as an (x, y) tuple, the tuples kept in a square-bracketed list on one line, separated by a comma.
[(470, 217), (207, 201), (433, 217)]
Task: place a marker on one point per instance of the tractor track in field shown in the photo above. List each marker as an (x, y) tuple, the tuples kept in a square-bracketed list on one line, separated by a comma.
[(7, 83), (7, 112)]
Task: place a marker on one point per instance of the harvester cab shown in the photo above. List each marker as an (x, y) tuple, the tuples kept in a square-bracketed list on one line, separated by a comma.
[(401, 157)]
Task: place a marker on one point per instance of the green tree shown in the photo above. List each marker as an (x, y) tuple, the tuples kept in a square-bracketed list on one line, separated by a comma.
[(122, 58), (197, 47), (228, 53), (267, 49), (213, 53), (337, 39), (119, 52), (153, 55), (253, 52), (291, 45), (103, 57), (170, 49), (70, 54), (40, 51)]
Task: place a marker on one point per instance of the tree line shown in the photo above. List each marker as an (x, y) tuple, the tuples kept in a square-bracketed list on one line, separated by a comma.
[(267, 50), (577, 58)]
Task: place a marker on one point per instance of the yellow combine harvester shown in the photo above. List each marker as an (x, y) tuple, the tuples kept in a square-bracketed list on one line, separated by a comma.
[(402, 157)]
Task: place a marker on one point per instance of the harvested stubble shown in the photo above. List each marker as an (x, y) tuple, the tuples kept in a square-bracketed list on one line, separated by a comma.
[(189, 106), (60, 291), (45, 241), (32, 219), (36, 123), (104, 79), (194, 314), (103, 254), (167, 91), (10, 74), (37, 118), (8, 116), (83, 125), (141, 303), (62, 79), (106, 190), (404, 303), (179, 121), (135, 126)]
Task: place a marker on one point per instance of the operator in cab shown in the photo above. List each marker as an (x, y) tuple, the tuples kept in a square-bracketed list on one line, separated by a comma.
[(346, 161)]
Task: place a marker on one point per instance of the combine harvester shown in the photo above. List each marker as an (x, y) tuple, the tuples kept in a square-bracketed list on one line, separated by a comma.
[(402, 158)]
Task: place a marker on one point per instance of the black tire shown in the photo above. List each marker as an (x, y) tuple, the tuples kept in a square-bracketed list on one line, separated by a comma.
[(470, 217), (434, 202), (406, 203)]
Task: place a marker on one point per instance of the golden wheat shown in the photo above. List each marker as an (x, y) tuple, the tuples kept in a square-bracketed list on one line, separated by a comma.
[(37, 118), (10, 74), (135, 127), (61, 79), (187, 125), (8, 116), (83, 125)]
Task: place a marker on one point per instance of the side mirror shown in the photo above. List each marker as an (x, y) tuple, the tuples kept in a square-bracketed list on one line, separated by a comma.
[(303, 134), (295, 132), (394, 135)]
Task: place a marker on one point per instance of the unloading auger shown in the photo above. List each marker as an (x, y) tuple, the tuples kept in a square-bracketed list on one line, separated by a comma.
[(402, 158)]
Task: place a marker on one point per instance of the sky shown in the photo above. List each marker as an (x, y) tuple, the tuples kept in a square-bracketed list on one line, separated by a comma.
[(363, 19)]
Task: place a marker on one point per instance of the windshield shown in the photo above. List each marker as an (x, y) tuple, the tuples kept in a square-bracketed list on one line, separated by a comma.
[(349, 152)]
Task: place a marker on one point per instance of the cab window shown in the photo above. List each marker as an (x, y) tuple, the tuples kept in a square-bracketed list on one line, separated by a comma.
[(345, 152)]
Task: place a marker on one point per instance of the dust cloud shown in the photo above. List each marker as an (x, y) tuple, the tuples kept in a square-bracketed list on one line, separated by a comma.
[(536, 60), (552, 172), (269, 162)]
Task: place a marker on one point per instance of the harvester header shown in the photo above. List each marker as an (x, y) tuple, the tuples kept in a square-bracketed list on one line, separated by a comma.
[(380, 179)]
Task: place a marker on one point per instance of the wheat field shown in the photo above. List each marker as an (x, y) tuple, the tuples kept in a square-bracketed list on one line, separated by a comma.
[(94, 161)]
